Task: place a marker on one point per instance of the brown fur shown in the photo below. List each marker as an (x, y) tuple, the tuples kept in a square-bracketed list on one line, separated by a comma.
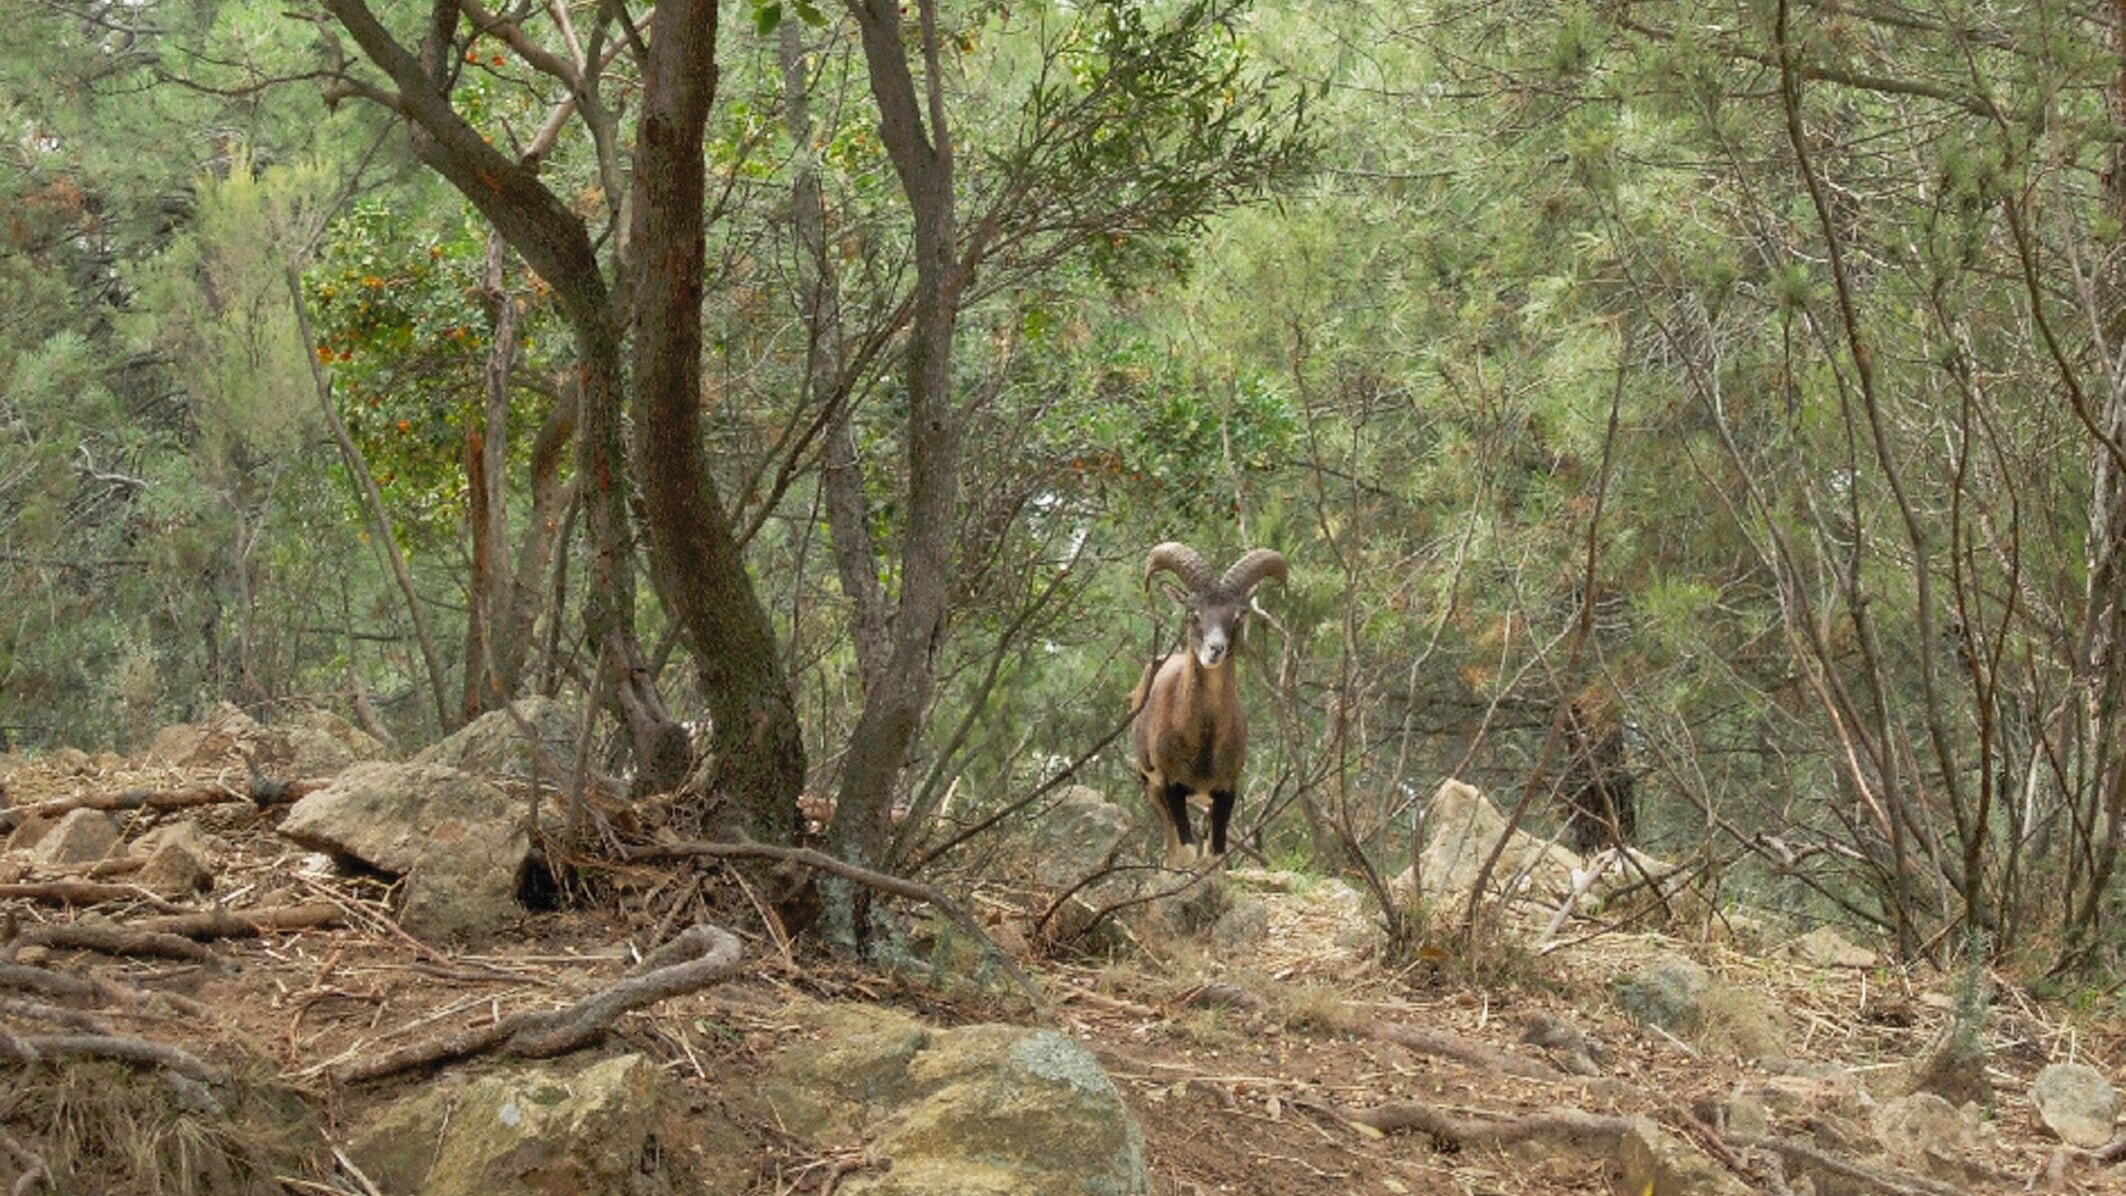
[(1190, 739)]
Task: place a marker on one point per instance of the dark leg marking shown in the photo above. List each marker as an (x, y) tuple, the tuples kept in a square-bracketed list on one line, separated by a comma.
[(1221, 814), (1177, 808)]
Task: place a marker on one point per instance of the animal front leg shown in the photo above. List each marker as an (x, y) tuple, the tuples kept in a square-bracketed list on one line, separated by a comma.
[(1180, 845), (1222, 802)]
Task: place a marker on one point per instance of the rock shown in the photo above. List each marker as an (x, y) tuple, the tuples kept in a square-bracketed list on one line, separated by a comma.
[(1923, 1132), (2077, 1103), (1076, 837), (79, 837), (1676, 995), (1656, 1163), (535, 1130), (1571, 1050), (1460, 828), (29, 832), (1245, 923), (185, 831), (223, 738), (1745, 1116), (975, 1111), (175, 870), (492, 746), (316, 736), (70, 760), (1824, 947), (456, 839), (1668, 993)]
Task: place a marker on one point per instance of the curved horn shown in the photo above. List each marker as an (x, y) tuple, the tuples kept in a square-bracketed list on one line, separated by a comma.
[(1183, 561), (1250, 570)]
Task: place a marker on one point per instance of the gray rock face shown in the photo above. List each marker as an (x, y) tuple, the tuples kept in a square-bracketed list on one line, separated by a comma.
[(1461, 826), (530, 1131), (1077, 837), (175, 870), (79, 837), (1826, 948), (1669, 993), (1923, 1132), (2076, 1102), (1658, 1163), (455, 838), (1684, 999), (493, 746), (976, 1111)]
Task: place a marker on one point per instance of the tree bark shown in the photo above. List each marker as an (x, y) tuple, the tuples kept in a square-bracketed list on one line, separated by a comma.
[(894, 705), (698, 567)]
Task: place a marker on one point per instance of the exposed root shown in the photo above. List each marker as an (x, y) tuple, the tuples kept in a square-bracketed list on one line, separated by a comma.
[(700, 956)]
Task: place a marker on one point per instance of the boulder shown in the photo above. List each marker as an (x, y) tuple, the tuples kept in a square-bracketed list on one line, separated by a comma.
[(1676, 995), (1243, 926), (1657, 1163), (2077, 1103), (79, 837), (29, 832), (1668, 993), (185, 831), (1077, 837), (1922, 1132), (1460, 828), (175, 870), (976, 1111), (457, 840), (492, 745), (1824, 947), (535, 1131), (223, 738)]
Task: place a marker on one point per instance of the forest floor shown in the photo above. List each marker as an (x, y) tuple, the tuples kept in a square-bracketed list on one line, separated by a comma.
[(1241, 1066)]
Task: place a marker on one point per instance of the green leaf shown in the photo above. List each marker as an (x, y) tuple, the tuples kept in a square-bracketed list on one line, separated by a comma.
[(767, 16)]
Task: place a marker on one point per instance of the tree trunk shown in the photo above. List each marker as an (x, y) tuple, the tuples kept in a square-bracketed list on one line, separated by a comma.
[(841, 475), (894, 705), (698, 567)]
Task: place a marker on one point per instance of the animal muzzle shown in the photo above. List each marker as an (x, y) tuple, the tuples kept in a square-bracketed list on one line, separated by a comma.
[(1212, 651)]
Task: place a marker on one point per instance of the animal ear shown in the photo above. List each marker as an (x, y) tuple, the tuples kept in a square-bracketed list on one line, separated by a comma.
[(1177, 593)]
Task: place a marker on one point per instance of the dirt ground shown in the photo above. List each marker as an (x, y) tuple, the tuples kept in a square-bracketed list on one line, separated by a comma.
[(1238, 1063)]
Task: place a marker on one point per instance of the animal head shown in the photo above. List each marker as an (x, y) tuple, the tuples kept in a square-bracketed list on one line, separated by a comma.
[(1217, 606)]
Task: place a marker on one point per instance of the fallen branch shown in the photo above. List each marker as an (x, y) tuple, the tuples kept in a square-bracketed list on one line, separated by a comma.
[(260, 791), (244, 924), (26, 978), (1572, 1126), (81, 892), (114, 940), (32, 1048), (57, 1014), (700, 956), (883, 882), (1454, 1046)]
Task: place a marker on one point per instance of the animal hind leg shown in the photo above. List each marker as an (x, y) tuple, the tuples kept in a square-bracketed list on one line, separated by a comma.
[(1180, 844), (1222, 801)]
